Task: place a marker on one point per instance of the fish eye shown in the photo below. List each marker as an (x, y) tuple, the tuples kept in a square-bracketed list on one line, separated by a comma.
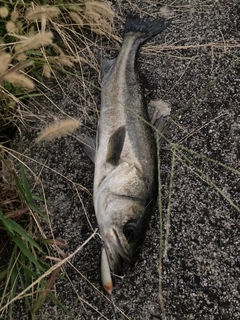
[(131, 231)]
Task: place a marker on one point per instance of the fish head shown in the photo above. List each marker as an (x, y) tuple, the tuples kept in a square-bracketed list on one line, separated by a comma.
[(122, 229)]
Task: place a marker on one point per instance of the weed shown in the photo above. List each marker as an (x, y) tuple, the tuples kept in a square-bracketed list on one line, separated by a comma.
[(35, 44), (29, 49)]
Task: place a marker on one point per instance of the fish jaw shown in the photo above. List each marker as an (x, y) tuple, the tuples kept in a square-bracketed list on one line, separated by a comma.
[(121, 203), (122, 224), (122, 237), (116, 251), (111, 220)]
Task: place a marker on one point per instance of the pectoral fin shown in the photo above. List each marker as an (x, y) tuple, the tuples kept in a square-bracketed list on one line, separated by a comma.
[(115, 145), (89, 146)]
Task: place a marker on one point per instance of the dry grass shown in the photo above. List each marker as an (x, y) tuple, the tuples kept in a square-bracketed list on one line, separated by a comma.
[(58, 130), (31, 41), (30, 52)]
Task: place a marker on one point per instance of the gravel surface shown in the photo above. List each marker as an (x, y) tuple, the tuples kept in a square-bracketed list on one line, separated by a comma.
[(198, 73)]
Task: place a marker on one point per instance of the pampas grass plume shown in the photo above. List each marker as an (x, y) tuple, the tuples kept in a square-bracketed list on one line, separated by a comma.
[(58, 129), (14, 15), (40, 39), (5, 59), (18, 79), (4, 12), (38, 12), (76, 18), (98, 16), (65, 60), (46, 71), (21, 56), (10, 27), (98, 7)]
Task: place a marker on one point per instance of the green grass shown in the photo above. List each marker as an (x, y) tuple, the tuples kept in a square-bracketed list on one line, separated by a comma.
[(18, 228)]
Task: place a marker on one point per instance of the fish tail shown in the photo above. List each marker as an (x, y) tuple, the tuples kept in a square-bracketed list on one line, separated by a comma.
[(146, 28)]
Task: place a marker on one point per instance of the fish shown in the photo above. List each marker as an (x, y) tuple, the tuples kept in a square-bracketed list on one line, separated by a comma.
[(124, 153)]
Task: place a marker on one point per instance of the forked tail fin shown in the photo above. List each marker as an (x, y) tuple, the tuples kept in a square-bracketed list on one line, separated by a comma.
[(147, 28)]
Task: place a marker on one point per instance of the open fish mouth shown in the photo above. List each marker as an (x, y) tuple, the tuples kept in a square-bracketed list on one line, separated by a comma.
[(117, 252), (120, 249)]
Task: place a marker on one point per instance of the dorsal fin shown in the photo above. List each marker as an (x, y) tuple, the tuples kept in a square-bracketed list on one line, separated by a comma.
[(115, 145)]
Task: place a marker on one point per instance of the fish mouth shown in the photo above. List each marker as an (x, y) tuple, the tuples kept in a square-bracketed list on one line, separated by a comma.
[(118, 250)]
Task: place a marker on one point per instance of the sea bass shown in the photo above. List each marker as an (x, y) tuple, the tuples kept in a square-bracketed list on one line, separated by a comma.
[(125, 178)]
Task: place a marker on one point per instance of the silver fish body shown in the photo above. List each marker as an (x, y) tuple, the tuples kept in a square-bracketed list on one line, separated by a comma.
[(125, 178)]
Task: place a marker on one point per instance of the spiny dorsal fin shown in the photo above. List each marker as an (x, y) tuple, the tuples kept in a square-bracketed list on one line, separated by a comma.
[(115, 145), (160, 118)]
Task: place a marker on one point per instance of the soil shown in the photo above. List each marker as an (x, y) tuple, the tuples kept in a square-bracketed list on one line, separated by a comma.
[(197, 70)]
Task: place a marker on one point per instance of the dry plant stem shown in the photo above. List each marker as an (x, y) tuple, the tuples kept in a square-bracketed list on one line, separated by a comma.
[(84, 209), (49, 271), (97, 290), (206, 179), (189, 134), (219, 45), (56, 242), (83, 301), (13, 152), (178, 80), (167, 226), (54, 104), (207, 88), (47, 288), (198, 155), (160, 293)]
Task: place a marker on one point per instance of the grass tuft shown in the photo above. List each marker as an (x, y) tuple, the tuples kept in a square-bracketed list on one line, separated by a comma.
[(58, 129), (37, 42), (4, 12), (30, 33)]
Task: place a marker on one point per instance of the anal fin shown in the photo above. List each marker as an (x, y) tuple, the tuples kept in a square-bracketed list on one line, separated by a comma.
[(160, 116)]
